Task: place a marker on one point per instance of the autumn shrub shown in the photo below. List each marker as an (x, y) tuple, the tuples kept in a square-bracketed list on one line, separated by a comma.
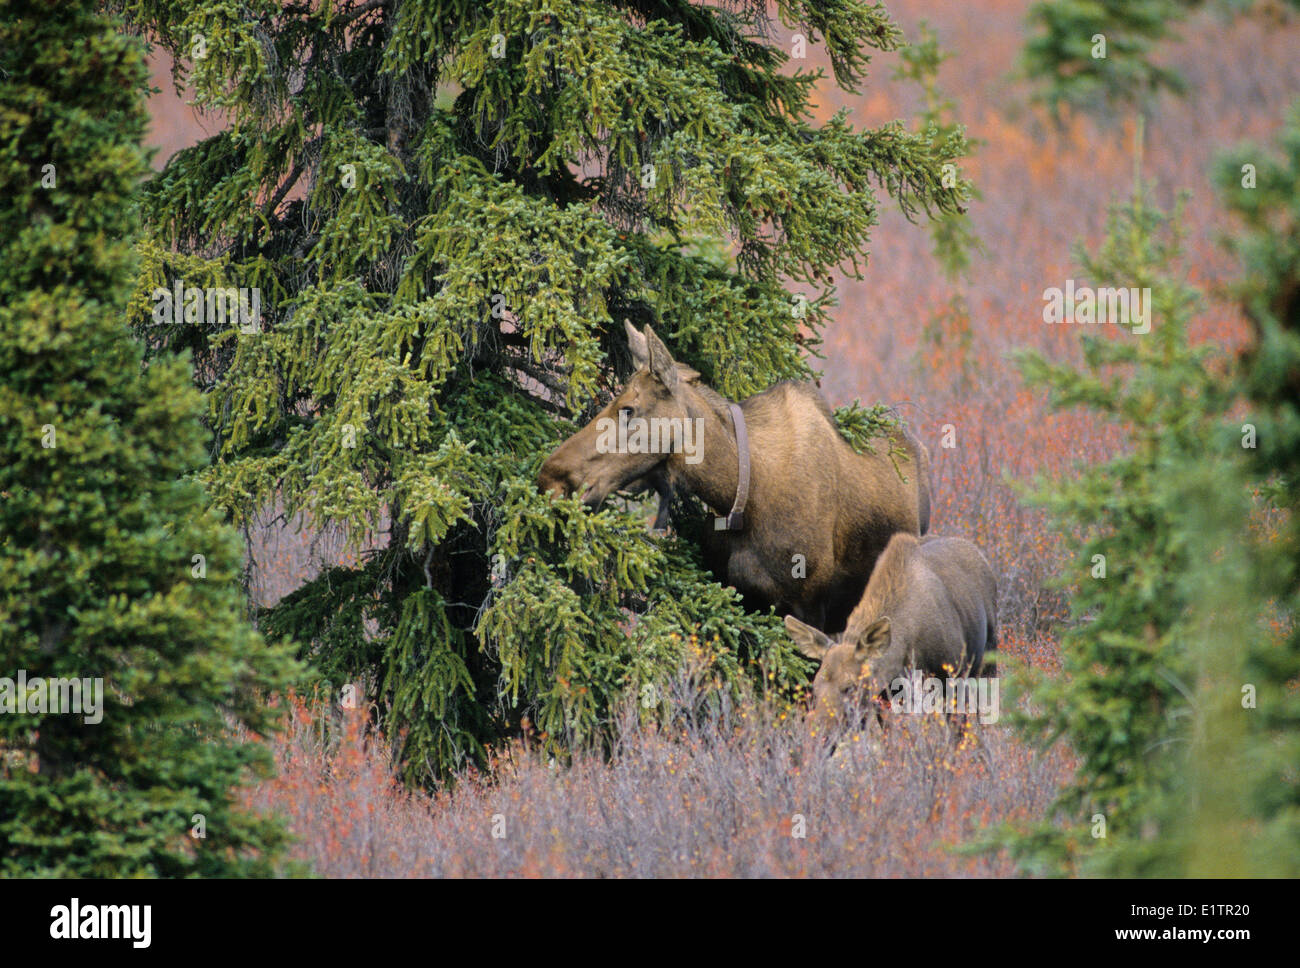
[(729, 789)]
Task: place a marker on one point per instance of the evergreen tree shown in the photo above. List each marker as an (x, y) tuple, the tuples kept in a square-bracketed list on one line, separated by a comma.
[(100, 529), (954, 237), (1122, 696), (1241, 813), (1178, 683), (450, 207), (1097, 51), (1100, 52)]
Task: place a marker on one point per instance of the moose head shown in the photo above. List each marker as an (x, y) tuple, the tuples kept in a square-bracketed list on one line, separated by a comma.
[(845, 676), (638, 439)]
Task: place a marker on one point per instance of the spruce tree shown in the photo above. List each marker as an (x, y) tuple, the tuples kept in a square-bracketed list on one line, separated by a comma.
[(111, 568), (1241, 812), (450, 207), (1099, 53), (1093, 52), (1177, 690), (1122, 696), (954, 237)]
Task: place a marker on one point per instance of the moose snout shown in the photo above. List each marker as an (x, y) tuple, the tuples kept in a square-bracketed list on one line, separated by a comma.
[(556, 480), (563, 478)]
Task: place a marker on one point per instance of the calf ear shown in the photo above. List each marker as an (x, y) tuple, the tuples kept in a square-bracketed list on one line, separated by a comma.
[(873, 641), (636, 342), (662, 364), (808, 640)]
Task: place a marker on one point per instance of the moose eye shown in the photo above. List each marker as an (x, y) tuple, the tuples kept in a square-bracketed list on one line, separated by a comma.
[(628, 412)]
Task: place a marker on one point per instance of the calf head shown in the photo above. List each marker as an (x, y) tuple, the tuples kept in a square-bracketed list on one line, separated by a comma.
[(844, 678), (587, 465)]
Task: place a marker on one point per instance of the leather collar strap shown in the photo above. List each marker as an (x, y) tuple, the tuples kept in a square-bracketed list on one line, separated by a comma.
[(735, 521)]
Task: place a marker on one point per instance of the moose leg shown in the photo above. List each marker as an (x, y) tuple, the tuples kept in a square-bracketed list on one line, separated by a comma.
[(745, 569), (990, 668), (656, 480), (664, 517)]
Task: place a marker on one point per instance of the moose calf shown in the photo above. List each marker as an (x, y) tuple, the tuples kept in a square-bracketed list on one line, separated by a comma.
[(930, 605)]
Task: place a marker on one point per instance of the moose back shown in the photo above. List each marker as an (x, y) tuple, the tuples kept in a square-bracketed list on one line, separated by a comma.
[(818, 513)]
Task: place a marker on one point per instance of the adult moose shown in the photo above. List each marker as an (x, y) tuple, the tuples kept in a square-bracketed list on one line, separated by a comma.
[(802, 516)]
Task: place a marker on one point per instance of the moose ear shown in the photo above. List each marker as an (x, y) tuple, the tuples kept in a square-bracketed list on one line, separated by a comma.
[(662, 363), (636, 342), (808, 640), (873, 641)]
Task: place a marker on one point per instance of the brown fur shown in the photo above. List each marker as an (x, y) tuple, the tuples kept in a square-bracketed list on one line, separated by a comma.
[(930, 605), (810, 494)]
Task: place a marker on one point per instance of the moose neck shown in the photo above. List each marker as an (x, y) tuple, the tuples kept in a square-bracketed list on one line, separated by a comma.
[(886, 586), (714, 479)]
